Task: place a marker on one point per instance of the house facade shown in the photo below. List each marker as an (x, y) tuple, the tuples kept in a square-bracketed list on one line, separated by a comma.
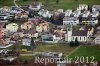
[(70, 20), (26, 41), (90, 21), (27, 25), (36, 6), (13, 27), (97, 40)]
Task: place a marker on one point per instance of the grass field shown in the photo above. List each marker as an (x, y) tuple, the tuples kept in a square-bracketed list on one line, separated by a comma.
[(64, 48), (6, 3), (65, 4), (26, 57), (87, 51)]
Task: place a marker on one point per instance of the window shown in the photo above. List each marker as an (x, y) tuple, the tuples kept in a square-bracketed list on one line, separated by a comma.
[(73, 38), (84, 38), (80, 38)]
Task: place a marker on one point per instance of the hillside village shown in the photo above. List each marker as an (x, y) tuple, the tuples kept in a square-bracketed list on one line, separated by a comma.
[(50, 26), (21, 24)]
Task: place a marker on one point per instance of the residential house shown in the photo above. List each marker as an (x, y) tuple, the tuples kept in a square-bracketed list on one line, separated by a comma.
[(35, 20), (70, 20), (13, 27), (45, 13), (61, 63), (95, 14), (1, 30), (39, 28), (6, 8), (90, 21), (27, 25), (97, 36), (82, 7), (77, 13), (97, 39), (1, 33), (44, 26), (49, 38), (36, 6), (4, 17), (85, 13), (21, 15), (96, 8), (15, 10), (10, 55), (5, 42), (59, 32), (54, 55), (26, 41), (28, 33), (68, 12), (60, 10), (54, 36)]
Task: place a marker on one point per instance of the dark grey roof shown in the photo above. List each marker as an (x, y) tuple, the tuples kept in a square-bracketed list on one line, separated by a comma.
[(79, 33), (89, 19), (70, 18)]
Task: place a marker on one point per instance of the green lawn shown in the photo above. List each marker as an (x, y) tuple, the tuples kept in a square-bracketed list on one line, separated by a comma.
[(87, 51), (64, 48), (26, 57), (6, 3), (65, 4)]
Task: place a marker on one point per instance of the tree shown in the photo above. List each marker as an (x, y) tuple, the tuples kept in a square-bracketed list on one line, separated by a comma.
[(76, 42), (32, 43), (25, 0), (76, 0), (57, 1), (31, 14), (71, 44)]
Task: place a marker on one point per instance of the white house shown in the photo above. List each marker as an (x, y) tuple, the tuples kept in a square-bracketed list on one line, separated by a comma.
[(97, 36), (13, 27), (96, 8), (61, 63), (90, 21), (4, 17), (95, 13), (49, 38), (77, 13), (44, 13), (97, 40), (70, 20), (82, 7), (26, 41), (36, 6), (85, 13), (68, 12), (60, 10), (15, 10)]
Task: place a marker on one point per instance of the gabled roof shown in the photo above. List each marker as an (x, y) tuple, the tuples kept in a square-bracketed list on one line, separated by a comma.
[(70, 18), (79, 33)]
